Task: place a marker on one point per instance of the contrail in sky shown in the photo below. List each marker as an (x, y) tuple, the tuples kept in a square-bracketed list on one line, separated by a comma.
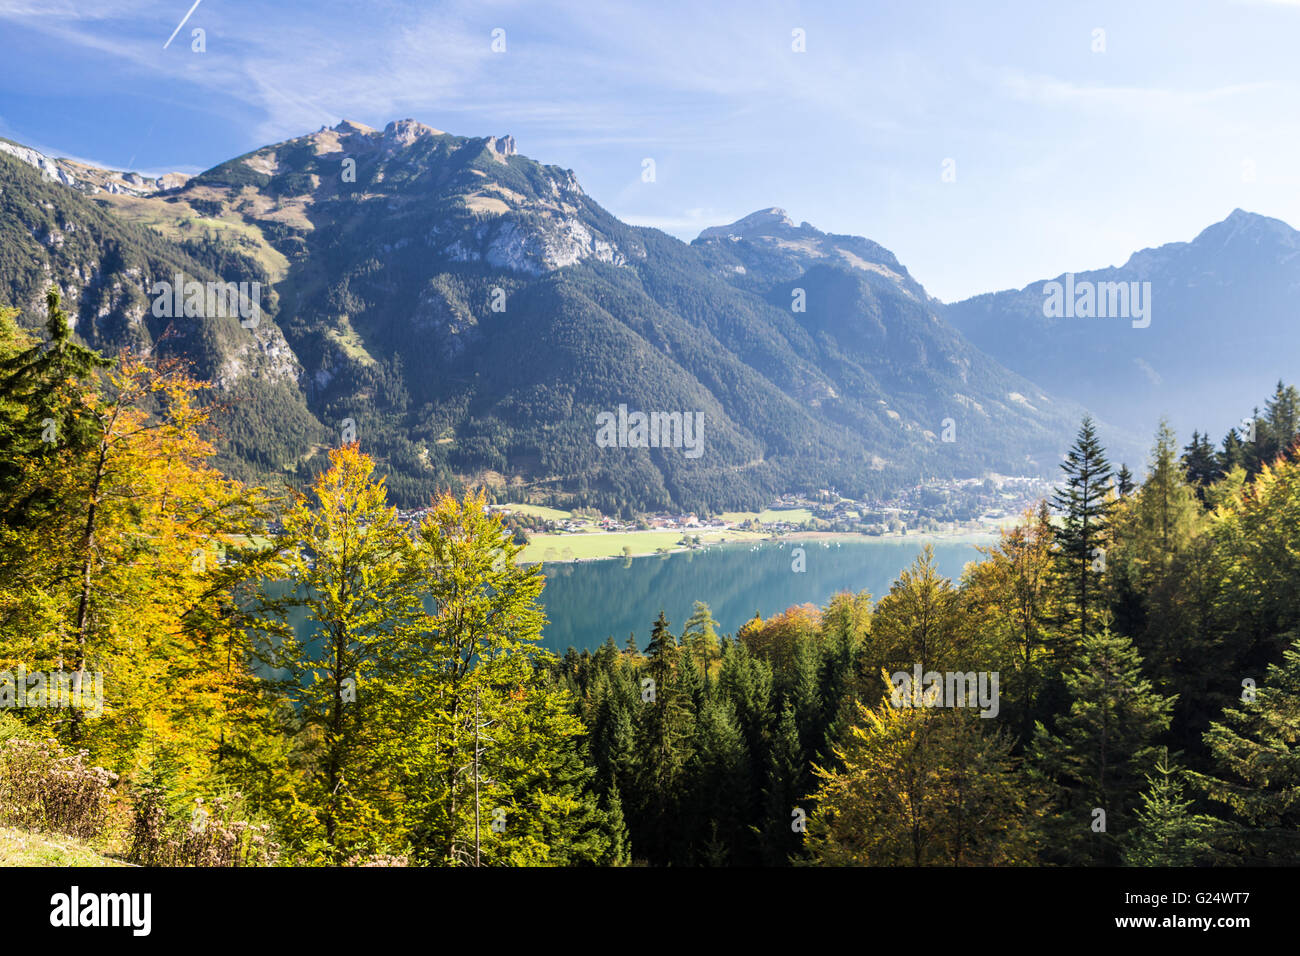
[(181, 24)]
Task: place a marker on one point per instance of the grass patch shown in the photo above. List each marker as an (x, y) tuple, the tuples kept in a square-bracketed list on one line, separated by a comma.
[(177, 220), (568, 547), (537, 511), (23, 848)]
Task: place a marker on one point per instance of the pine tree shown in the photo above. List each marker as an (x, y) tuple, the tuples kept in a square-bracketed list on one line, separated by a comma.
[(805, 697), (1158, 580), (718, 777), (665, 728), (1256, 753), (746, 681), (1124, 482), (1165, 832), (1256, 443), (1166, 511), (1200, 465), (42, 384), (700, 636), (619, 852), (1232, 454), (1277, 428), (1092, 760), (786, 787), (615, 699), (1081, 538)]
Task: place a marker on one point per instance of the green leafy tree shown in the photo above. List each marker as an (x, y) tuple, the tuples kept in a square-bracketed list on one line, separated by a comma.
[(347, 554), (921, 786), (494, 757)]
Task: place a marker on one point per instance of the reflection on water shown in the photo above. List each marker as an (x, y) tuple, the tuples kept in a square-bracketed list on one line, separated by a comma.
[(588, 602)]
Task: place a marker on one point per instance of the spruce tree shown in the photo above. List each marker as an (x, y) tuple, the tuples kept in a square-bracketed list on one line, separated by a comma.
[(1280, 423), (713, 805), (1256, 753), (41, 383), (1124, 482), (700, 636), (786, 787), (1081, 537), (1093, 759), (665, 731), (746, 681), (619, 852), (1165, 832), (1200, 465), (1232, 454)]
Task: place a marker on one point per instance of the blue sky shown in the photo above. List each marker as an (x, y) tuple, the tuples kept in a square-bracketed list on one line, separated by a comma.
[(1065, 158)]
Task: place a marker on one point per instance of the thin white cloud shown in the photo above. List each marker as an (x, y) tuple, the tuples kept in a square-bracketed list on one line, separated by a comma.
[(1051, 91)]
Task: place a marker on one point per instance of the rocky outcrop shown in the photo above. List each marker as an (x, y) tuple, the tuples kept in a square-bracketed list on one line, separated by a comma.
[(91, 179)]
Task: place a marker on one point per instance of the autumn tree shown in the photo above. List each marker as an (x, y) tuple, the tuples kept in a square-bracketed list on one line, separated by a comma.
[(921, 786), (347, 558), (495, 758), (1011, 594)]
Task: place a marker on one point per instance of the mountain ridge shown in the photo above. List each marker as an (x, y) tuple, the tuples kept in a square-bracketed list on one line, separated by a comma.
[(1221, 309), (386, 254)]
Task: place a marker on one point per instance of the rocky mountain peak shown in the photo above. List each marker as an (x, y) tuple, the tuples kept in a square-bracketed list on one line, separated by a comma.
[(406, 131), (502, 148), (772, 221), (349, 127), (772, 232), (1249, 228)]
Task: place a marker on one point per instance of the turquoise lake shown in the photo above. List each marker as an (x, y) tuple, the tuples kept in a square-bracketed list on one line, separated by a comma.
[(587, 602)]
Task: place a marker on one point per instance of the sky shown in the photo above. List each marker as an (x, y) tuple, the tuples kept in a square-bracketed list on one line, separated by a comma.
[(986, 144)]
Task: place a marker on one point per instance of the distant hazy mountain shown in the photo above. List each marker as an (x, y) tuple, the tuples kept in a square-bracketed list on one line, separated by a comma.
[(1222, 330), (470, 313)]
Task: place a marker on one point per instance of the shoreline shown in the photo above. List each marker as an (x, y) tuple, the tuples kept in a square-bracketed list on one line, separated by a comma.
[(982, 536)]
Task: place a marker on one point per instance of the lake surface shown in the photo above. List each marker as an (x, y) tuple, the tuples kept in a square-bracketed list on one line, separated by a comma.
[(590, 601)]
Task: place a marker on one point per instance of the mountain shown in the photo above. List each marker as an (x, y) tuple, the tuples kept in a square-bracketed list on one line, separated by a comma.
[(89, 179), (106, 267), (888, 359), (1220, 332), (469, 314)]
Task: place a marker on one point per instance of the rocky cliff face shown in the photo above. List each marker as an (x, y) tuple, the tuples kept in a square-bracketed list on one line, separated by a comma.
[(91, 179)]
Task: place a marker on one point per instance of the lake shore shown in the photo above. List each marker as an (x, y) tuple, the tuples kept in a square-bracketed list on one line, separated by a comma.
[(609, 545)]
